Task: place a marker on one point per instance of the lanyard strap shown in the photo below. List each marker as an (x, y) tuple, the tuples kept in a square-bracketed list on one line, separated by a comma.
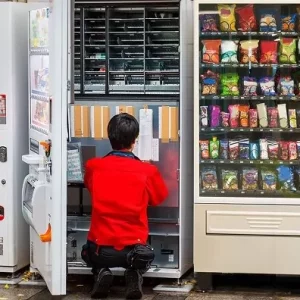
[(122, 154)]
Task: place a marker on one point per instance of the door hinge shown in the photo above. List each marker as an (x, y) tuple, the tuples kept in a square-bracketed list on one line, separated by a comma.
[(68, 85)]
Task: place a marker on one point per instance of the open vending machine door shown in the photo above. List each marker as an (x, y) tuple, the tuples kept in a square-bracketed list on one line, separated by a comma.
[(44, 189)]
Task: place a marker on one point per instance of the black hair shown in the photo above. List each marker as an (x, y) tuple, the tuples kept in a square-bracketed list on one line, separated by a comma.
[(123, 129)]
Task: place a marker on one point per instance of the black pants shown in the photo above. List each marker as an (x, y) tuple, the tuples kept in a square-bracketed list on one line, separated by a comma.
[(137, 257)]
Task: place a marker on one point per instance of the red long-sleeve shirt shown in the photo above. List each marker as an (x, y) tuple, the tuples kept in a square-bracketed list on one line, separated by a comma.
[(121, 189)]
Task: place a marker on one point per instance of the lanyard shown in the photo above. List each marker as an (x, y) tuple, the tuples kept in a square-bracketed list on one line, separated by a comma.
[(122, 154)]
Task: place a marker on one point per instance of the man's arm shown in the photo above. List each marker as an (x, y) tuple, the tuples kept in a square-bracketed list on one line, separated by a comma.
[(156, 188)]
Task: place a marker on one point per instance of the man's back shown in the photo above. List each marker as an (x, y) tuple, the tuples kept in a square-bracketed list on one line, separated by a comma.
[(122, 187)]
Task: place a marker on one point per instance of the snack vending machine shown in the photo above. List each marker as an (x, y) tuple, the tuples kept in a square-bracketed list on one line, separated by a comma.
[(14, 234), (246, 138), (88, 62)]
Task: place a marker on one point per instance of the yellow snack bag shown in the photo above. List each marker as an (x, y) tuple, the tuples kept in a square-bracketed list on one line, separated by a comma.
[(227, 17)]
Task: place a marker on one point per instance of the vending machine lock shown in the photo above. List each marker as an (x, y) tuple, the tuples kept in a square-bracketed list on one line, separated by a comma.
[(3, 154)]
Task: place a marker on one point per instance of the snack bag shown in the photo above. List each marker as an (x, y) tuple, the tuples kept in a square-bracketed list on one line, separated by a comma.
[(298, 13), (284, 150), (293, 118), (244, 149), (249, 179), (286, 178), (234, 113), (254, 150), (234, 150), (215, 112), (230, 84), (293, 150), (253, 118), (286, 86), (244, 115), (214, 146), (287, 51), (262, 115), (227, 17), (209, 83), (229, 51), (230, 180), (273, 149), (209, 178), (268, 20), (263, 146), (269, 180), (211, 51), (288, 23), (204, 116), (225, 119), (224, 149), (208, 23), (249, 51), (250, 86), (273, 117), (268, 52), (267, 86), (247, 20), (204, 149)]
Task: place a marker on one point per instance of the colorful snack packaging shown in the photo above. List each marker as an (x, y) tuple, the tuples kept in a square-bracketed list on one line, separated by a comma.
[(211, 51), (298, 149), (268, 52), (250, 86), (298, 116), (234, 149), (230, 180), (225, 119), (286, 178), (269, 180), (273, 150), (254, 150), (286, 86), (287, 51), (215, 112), (249, 51), (263, 146), (244, 146), (204, 116), (267, 86), (282, 114), (288, 23), (234, 113), (268, 20), (224, 149), (229, 51), (249, 179), (230, 84), (209, 83), (227, 17), (284, 150), (247, 20), (244, 115), (273, 117), (293, 118), (214, 146), (298, 12), (208, 23), (253, 118), (209, 178), (262, 115), (204, 149), (293, 150)]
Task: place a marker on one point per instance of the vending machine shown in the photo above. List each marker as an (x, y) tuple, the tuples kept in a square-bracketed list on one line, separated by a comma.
[(14, 234), (88, 62), (246, 138)]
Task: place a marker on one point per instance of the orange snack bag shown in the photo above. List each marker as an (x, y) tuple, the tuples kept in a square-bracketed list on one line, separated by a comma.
[(211, 51), (244, 115)]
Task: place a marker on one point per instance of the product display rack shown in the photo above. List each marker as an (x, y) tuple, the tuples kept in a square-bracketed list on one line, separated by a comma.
[(135, 57), (246, 133)]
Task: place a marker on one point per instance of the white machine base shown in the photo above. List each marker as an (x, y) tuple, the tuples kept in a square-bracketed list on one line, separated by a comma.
[(174, 288)]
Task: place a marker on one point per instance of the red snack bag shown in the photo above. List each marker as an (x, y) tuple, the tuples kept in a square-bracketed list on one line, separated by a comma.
[(273, 117), (284, 150), (204, 149), (253, 116), (211, 51), (268, 52), (293, 150), (247, 20)]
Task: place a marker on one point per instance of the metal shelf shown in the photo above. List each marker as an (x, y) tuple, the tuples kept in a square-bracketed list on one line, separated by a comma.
[(245, 129), (247, 162)]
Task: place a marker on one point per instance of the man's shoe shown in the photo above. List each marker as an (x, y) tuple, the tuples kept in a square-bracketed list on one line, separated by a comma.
[(134, 281), (103, 282)]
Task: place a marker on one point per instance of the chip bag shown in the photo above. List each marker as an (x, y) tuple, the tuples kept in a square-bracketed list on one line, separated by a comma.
[(211, 51), (229, 51), (268, 52), (268, 21), (249, 51), (247, 20), (229, 84), (208, 23), (287, 51), (230, 180), (227, 17), (288, 23)]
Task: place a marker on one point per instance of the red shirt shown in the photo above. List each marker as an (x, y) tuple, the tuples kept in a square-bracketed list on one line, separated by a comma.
[(121, 189)]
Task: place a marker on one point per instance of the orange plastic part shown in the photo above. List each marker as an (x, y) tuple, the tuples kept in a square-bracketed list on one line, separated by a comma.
[(46, 145), (46, 237)]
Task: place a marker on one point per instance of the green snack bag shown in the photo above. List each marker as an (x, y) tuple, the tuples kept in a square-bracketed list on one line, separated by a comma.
[(287, 51), (230, 84), (214, 148)]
